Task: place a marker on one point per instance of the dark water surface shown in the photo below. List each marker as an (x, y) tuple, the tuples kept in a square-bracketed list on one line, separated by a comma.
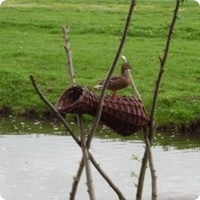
[(35, 165)]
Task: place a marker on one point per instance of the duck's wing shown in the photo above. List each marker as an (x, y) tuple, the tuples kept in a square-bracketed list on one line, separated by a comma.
[(117, 83)]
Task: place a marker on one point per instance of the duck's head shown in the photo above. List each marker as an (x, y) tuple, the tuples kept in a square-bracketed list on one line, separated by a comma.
[(125, 65)]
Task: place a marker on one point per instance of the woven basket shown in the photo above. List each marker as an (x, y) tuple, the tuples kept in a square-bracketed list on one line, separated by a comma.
[(125, 115)]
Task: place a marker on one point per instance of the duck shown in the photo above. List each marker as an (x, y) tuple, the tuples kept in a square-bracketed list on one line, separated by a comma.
[(118, 82)]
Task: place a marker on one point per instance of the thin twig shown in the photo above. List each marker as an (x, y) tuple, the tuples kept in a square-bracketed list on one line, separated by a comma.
[(43, 98), (163, 60), (76, 180), (70, 70), (149, 140), (67, 47), (86, 159), (142, 174), (109, 181), (151, 165), (133, 85), (110, 72), (148, 156), (162, 67)]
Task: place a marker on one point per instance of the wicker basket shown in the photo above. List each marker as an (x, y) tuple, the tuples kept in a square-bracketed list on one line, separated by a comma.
[(125, 115)]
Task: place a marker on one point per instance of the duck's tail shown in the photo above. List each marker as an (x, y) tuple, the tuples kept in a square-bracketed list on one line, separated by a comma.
[(98, 86)]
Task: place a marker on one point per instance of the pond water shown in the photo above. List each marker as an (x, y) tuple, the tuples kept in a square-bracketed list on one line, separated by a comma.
[(42, 166)]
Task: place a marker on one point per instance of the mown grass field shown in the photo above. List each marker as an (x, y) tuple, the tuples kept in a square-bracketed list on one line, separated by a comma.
[(31, 43)]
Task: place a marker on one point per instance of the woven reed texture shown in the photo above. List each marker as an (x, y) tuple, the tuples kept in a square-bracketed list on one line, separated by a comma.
[(125, 115)]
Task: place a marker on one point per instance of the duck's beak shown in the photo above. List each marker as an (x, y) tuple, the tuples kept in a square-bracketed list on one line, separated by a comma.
[(126, 62)]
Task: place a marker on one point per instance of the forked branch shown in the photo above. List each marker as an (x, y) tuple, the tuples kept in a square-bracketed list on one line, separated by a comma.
[(72, 195)]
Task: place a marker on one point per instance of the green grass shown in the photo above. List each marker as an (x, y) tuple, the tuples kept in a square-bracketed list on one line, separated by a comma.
[(31, 43)]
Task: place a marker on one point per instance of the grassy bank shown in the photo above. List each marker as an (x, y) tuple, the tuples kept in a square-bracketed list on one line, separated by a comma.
[(31, 43)]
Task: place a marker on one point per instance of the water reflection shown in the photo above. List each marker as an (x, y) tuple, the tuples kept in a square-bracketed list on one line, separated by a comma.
[(42, 167), (21, 126)]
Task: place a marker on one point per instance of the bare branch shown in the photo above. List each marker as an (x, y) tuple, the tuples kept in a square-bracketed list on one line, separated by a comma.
[(150, 136), (151, 165), (110, 72), (142, 174), (109, 181), (137, 94), (70, 70), (70, 67), (43, 98), (84, 148), (133, 85), (86, 160), (81, 166), (76, 180), (162, 67)]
